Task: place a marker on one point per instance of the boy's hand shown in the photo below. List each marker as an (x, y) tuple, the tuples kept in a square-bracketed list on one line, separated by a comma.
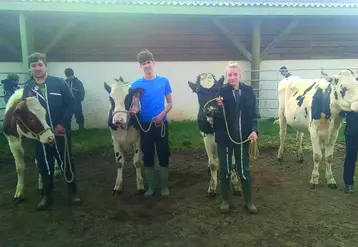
[(253, 137), (219, 101)]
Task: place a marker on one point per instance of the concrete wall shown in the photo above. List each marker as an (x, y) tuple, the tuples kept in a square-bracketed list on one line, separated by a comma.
[(185, 102)]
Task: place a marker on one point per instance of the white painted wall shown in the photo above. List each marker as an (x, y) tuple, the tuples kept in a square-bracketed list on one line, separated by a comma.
[(185, 102)]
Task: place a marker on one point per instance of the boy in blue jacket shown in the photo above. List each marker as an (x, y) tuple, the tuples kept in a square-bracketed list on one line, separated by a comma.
[(57, 99)]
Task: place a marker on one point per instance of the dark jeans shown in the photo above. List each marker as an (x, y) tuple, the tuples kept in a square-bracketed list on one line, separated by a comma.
[(78, 113), (45, 155), (151, 141), (350, 159), (243, 168)]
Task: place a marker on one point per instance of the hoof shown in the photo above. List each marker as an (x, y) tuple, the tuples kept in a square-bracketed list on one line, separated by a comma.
[(280, 159), (301, 160), (236, 193), (211, 194), (312, 186), (116, 192), (332, 186), (18, 200), (141, 191)]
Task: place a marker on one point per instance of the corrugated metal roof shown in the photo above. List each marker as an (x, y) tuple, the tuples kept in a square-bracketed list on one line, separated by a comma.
[(223, 3)]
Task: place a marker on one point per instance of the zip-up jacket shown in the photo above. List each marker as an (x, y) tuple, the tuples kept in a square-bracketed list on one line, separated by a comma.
[(58, 100), (241, 112), (77, 88)]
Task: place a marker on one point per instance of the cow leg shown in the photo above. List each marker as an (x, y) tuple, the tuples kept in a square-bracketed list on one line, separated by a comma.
[(137, 162), (317, 157), (15, 148), (57, 172), (118, 188), (329, 149), (299, 139), (283, 132), (209, 141), (234, 180)]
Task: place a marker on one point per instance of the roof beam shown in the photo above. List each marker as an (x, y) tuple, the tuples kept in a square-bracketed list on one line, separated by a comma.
[(235, 42), (59, 35), (176, 9), (286, 31)]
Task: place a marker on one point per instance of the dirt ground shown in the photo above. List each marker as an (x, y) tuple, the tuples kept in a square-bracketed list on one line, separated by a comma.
[(290, 214)]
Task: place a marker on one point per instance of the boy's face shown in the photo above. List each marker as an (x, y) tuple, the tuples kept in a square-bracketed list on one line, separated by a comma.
[(38, 69), (147, 67), (233, 76), (284, 72)]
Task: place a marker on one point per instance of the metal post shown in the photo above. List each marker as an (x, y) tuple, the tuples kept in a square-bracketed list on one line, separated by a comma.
[(255, 51), (24, 41)]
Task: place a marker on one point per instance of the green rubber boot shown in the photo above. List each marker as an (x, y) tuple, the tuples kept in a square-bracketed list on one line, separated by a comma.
[(46, 200), (164, 191), (225, 205), (150, 175)]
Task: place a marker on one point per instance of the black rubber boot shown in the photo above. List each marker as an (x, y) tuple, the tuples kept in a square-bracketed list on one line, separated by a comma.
[(74, 199), (225, 205), (247, 189), (46, 198)]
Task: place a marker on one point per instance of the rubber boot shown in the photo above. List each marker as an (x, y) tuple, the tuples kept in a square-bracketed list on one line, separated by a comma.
[(247, 189), (164, 191), (46, 200), (72, 192), (225, 205), (150, 175)]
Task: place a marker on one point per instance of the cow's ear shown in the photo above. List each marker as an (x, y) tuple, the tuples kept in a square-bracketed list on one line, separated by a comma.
[(326, 76), (107, 87), (193, 86), (221, 81)]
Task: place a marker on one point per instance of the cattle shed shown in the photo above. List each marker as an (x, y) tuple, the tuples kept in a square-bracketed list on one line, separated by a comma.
[(100, 39)]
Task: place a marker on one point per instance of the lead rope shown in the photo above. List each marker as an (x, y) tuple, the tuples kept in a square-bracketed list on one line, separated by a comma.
[(66, 152), (253, 147)]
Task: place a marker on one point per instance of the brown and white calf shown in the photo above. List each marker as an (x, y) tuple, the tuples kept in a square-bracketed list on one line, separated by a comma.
[(313, 106), (24, 119), (207, 88), (124, 130)]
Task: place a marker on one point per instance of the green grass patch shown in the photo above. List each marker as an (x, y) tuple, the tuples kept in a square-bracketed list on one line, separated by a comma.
[(183, 136)]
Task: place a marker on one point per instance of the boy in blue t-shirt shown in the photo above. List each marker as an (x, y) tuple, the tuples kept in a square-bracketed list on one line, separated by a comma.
[(153, 108)]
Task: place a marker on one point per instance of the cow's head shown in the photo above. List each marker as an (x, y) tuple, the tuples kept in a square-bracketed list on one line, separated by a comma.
[(121, 101), (345, 88), (30, 116), (207, 88)]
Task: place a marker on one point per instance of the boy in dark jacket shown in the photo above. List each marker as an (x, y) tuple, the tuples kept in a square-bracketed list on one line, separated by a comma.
[(10, 85), (78, 91), (241, 112), (57, 99)]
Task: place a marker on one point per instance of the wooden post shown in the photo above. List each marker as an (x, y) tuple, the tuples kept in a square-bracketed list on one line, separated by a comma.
[(256, 58)]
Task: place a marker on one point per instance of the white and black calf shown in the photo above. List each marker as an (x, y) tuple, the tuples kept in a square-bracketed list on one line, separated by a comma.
[(207, 88), (125, 130), (313, 106)]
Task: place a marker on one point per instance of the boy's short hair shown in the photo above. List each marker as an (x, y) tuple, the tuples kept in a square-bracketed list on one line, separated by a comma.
[(69, 72), (35, 57), (144, 56)]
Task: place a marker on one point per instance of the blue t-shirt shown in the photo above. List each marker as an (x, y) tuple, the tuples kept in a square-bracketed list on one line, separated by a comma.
[(152, 101)]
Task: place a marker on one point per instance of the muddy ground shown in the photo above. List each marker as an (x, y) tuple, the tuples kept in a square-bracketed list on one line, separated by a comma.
[(290, 213)]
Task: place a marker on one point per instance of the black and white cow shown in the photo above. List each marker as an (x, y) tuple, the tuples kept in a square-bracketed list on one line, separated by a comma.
[(207, 88), (313, 106), (125, 130)]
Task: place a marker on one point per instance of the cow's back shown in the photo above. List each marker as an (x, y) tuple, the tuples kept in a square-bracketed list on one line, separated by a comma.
[(296, 96)]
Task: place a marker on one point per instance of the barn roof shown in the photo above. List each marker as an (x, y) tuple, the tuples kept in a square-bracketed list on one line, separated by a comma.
[(232, 3)]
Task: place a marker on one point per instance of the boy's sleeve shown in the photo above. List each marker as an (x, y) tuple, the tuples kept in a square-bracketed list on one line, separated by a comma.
[(255, 113), (68, 101), (168, 88)]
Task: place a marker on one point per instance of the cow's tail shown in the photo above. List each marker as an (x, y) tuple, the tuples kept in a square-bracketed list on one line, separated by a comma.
[(277, 121)]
